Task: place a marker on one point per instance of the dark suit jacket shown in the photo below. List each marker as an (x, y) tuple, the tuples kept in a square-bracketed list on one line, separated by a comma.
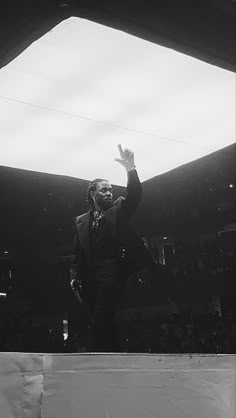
[(118, 218)]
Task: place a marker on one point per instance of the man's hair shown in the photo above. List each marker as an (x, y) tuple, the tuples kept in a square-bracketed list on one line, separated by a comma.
[(92, 187)]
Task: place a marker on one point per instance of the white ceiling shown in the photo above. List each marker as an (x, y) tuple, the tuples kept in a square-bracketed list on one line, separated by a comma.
[(75, 94)]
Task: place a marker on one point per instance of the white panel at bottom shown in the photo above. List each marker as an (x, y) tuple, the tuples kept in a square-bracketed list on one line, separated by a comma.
[(117, 386)]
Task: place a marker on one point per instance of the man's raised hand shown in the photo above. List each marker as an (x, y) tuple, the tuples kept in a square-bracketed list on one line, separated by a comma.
[(126, 158)]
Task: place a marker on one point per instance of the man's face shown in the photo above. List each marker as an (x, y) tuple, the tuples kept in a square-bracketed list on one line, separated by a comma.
[(103, 195)]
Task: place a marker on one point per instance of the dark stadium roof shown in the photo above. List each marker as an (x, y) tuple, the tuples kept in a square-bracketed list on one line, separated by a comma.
[(204, 29)]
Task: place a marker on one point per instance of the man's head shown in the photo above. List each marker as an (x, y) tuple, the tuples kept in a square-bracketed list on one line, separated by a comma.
[(100, 194)]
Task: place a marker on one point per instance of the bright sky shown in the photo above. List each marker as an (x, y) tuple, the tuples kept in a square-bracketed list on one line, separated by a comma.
[(76, 93)]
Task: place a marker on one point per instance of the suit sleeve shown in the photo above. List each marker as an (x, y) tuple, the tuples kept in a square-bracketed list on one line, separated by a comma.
[(134, 192)]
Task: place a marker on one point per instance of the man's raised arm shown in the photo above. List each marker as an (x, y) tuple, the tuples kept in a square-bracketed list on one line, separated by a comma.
[(134, 190)]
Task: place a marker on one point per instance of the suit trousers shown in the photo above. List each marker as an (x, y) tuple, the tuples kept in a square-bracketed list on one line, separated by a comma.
[(106, 285)]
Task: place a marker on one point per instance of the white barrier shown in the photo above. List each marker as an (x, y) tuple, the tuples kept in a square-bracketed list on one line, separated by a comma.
[(117, 386)]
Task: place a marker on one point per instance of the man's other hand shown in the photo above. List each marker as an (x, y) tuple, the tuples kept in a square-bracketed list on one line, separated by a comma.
[(76, 286)]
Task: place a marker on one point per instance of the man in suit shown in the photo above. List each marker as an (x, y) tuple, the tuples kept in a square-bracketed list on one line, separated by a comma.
[(106, 250)]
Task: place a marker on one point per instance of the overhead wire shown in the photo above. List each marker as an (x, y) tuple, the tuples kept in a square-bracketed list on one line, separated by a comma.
[(153, 134)]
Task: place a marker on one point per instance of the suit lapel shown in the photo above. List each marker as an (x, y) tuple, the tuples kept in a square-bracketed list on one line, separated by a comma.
[(83, 222), (83, 230), (111, 217)]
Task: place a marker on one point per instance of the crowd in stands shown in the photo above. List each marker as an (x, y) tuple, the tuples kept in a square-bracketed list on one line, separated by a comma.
[(25, 334), (200, 260), (178, 333), (205, 266)]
